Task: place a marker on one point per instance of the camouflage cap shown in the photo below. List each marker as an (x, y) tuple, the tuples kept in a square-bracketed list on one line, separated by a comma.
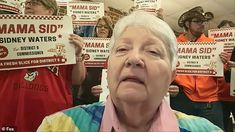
[(196, 12)]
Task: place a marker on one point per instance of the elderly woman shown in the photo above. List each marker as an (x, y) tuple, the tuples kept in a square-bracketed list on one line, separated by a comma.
[(141, 67)]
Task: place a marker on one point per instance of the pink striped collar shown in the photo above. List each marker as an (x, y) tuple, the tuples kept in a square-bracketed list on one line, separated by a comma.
[(164, 119)]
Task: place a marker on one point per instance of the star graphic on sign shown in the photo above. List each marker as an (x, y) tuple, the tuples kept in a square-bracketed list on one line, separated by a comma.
[(60, 36)]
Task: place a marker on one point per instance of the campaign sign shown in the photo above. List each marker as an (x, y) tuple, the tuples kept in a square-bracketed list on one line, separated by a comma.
[(35, 41), (96, 51), (10, 6), (199, 58), (147, 5), (62, 4), (225, 36), (85, 13)]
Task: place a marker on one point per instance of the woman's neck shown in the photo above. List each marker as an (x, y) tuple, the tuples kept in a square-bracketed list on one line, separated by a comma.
[(136, 117)]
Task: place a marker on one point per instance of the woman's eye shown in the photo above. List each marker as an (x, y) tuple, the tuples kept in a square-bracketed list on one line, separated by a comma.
[(152, 52), (121, 49)]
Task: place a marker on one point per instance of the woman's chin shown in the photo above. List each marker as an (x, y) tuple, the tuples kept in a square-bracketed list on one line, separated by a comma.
[(102, 36), (132, 97)]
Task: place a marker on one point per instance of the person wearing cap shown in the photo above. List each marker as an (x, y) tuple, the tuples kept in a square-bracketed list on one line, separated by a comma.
[(26, 101), (198, 94)]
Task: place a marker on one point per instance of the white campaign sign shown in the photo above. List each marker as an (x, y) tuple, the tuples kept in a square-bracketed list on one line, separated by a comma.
[(35, 41), (199, 58), (226, 36), (96, 51), (85, 13), (10, 5), (147, 5)]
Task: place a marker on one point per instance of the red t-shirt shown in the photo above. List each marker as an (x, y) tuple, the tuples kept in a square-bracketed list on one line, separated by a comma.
[(28, 95)]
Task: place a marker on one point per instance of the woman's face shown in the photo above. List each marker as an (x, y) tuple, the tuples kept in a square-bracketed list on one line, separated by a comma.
[(35, 7), (102, 29), (139, 68)]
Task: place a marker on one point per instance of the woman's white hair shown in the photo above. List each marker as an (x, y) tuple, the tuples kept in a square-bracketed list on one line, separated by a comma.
[(160, 28)]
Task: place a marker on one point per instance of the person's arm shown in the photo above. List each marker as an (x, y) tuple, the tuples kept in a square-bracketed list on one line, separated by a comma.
[(79, 70), (78, 73), (224, 57), (228, 64)]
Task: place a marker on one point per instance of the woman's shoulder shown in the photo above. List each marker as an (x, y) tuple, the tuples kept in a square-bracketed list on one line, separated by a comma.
[(84, 117), (195, 123)]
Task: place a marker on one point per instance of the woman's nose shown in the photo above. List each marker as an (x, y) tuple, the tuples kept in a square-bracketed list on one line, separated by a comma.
[(134, 60)]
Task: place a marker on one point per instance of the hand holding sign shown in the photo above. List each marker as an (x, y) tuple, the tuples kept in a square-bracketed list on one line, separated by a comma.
[(78, 42)]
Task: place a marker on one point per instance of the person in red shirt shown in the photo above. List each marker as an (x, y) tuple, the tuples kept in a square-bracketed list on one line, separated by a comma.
[(28, 95), (198, 95)]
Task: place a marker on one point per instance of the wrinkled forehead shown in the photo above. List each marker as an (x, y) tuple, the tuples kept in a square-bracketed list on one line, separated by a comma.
[(150, 37), (123, 34)]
